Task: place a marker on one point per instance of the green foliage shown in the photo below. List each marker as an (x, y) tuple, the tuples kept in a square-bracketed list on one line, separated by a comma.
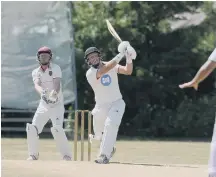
[(166, 58)]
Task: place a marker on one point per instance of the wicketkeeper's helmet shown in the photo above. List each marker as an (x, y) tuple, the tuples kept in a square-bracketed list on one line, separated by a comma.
[(41, 51), (44, 50)]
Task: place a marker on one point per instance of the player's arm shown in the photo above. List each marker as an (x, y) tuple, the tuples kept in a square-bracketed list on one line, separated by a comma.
[(38, 88), (57, 75), (109, 65), (53, 96), (130, 54), (203, 72), (128, 68), (37, 84), (57, 84)]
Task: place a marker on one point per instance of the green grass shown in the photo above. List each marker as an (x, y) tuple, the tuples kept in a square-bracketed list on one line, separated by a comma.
[(177, 152)]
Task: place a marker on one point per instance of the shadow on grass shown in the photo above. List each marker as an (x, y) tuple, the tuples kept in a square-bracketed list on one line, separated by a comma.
[(164, 139), (156, 165)]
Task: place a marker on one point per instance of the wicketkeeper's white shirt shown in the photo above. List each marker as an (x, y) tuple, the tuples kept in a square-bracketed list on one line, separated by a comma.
[(106, 88), (46, 77), (213, 55)]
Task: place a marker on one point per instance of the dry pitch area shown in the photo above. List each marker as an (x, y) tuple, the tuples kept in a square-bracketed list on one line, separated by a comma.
[(138, 158)]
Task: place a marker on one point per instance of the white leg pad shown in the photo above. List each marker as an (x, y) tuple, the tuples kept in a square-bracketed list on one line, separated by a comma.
[(109, 139), (32, 140), (61, 141), (99, 118), (111, 128)]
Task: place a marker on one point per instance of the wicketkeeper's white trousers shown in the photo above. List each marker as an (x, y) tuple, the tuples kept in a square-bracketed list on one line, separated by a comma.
[(44, 113)]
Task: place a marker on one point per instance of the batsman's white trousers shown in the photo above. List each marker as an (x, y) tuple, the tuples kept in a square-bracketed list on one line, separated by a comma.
[(44, 113), (107, 119), (212, 158)]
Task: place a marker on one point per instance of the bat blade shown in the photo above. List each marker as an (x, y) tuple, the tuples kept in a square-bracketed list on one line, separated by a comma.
[(113, 32)]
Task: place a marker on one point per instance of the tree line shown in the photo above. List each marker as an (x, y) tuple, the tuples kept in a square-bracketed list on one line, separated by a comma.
[(166, 57)]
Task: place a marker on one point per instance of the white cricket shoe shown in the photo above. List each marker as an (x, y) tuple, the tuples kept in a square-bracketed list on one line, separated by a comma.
[(102, 159), (67, 158), (32, 157)]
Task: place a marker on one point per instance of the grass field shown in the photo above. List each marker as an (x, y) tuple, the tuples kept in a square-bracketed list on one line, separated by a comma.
[(140, 158)]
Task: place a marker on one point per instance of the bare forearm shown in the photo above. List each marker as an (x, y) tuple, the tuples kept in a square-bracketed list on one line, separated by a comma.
[(39, 89), (109, 65), (57, 88), (56, 84), (201, 75), (203, 72), (129, 68)]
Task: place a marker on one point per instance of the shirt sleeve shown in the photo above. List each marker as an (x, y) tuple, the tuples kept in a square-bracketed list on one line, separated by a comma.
[(212, 57), (35, 75), (91, 76), (57, 72)]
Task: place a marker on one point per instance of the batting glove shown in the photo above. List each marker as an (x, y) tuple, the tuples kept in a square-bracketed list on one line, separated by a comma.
[(131, 53), (122, 47)]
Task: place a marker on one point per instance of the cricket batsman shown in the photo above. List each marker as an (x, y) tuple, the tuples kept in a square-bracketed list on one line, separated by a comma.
[(47, 82), (204, 72), (109, 107)]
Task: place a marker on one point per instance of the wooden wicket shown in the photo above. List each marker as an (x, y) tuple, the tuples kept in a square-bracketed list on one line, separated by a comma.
[(82, 133)]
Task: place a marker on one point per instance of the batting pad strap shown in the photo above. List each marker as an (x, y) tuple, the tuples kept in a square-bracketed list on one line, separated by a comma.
[(118, 57)]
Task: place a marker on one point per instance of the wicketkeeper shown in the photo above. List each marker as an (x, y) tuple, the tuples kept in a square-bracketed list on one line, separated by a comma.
[(47, 81)]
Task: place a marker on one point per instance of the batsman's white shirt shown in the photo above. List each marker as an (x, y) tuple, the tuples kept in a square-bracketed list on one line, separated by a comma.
[(109, 108), (106, 88)]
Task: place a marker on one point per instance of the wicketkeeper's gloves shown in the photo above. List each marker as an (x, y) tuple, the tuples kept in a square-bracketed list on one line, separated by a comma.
[(53, 97), (44, 96)]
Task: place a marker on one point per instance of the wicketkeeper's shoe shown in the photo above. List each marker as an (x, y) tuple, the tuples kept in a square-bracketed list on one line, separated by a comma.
[(32, 157), (102, 159), (67, 158)]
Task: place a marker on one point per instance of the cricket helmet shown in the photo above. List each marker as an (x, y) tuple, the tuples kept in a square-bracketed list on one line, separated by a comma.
[(44, 50), (89, 51)]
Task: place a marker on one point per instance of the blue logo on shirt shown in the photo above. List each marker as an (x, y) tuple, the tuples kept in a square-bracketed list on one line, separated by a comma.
[(106, 80)]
